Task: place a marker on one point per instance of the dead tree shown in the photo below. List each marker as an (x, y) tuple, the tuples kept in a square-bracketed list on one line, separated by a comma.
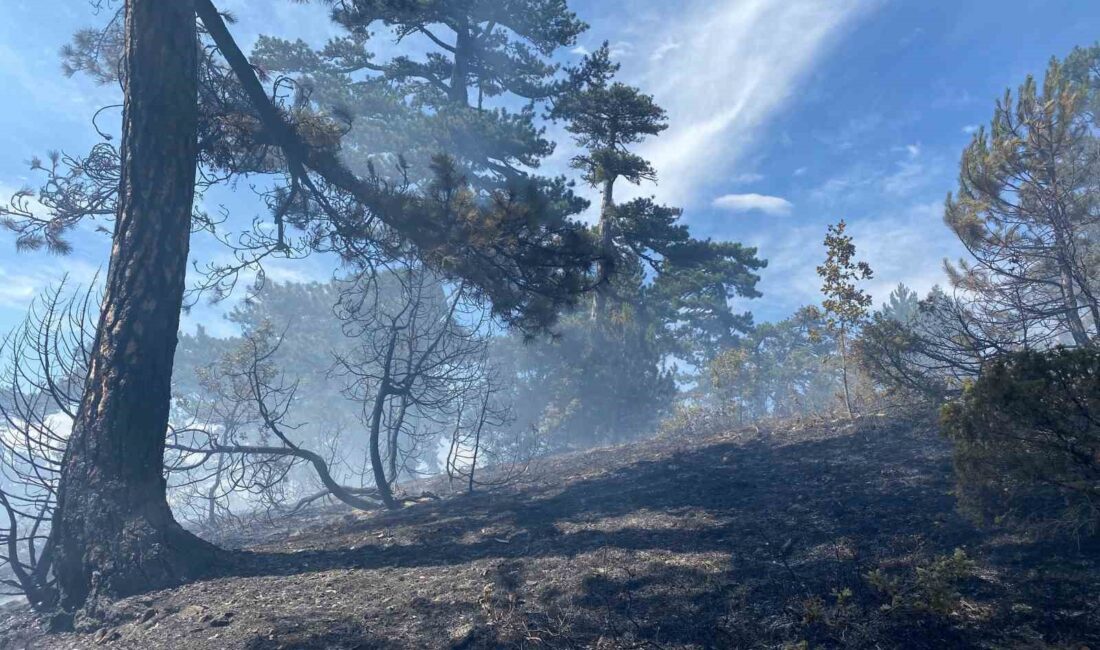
[(236, 443), (257, 452), (480, 438), (41, 380), (420, 354)]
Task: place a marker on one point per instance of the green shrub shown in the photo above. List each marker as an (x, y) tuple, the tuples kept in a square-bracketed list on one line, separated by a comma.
[(1027, 442), (931, 588)]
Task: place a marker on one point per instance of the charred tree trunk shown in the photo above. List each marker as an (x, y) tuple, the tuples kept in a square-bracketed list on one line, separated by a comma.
[(114, 530), (385, 492), (212, 491), (605, 267), (384, 391), (394, 442), (459, 93), (842, 347)]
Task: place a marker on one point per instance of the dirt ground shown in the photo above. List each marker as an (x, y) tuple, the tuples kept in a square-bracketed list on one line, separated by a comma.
[(823, 535)]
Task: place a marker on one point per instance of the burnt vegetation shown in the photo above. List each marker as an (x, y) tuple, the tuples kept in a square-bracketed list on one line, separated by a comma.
[(507, 415)]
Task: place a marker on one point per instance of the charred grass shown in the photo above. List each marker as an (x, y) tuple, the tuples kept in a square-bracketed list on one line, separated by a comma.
[(810, 535)]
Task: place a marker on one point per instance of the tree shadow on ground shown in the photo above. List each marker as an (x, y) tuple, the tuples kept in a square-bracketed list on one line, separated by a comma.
[(745, 498), (792, 523), (735, 541)]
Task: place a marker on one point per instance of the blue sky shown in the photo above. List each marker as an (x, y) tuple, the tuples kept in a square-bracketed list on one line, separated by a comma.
[(786, 115)]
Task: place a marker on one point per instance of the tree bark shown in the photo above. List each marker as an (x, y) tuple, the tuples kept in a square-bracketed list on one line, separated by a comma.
[(1074, 322), (842, 344), (114, 530), (459, 93), (385, 493), (605, 266), (385, 390)]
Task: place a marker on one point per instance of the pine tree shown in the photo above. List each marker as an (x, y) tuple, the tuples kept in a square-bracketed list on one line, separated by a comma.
[(112, 515), (902, 305), (681, 285), (605, 118), (481, 59), (1027, 213), (778, 369), (660, 292)]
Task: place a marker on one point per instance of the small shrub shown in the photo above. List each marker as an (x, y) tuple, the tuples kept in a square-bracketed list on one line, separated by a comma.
[(936, 588), (1027, 442), (925, 596), (697, 420), (932, 588)]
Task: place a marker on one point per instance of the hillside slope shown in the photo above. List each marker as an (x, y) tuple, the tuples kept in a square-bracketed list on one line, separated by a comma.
[(826, 535)]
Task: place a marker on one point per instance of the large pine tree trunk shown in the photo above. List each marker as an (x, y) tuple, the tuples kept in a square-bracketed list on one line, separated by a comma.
[(114, 530), (605, 266)]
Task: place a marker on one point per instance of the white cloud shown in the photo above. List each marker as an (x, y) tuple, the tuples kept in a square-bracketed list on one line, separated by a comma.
[(908, 246), (754, 203), (738, 63), (852, 133), (580, 50), (912, 36), (17, 291), (31, 84), (970, 129), (904, 178), (909, 177)]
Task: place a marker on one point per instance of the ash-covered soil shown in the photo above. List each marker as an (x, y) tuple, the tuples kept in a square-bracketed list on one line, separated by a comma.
[(806, 536)]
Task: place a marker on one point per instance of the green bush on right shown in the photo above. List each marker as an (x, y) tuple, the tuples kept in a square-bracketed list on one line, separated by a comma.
[(1027, 442)]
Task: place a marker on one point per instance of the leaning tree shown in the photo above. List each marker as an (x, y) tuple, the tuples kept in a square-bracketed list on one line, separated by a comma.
[(196, 112)]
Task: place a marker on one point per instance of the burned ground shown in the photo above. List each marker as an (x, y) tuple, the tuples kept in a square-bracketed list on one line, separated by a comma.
[(800, 536)]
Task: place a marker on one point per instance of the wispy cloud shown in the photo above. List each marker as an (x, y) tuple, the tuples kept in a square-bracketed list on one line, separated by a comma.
[(904, 177), (852, 133), (737, 63), (620, 49), (24, 279), (891, 243), (754, 203), (663, 49)]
